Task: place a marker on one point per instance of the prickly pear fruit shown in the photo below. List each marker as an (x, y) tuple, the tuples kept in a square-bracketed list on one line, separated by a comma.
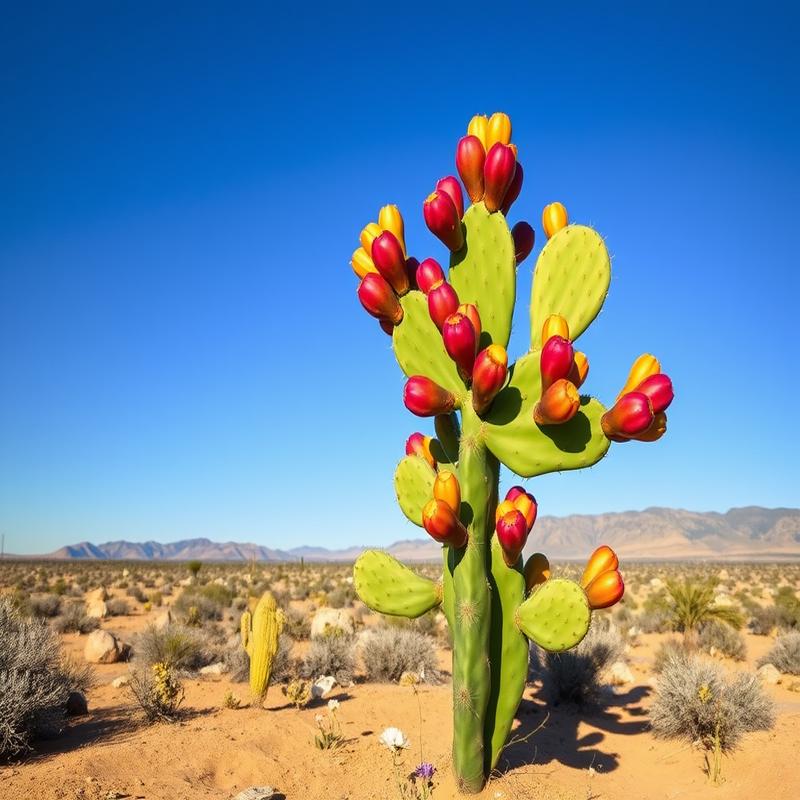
[(470, 159), (512, 533), (631, 415), (554, 218), (420, 445), (658, 389), (451, 187), (460, 342), (555, 325), (559, 404), (447, 489), (512, 193), (498, 172), (379, 299), (537, 570), (488, 376), (580, 369), (429, 274), (644, 366), (390, 219), (443, 524), (443, 221), (442, 302), (390, 261), (425, 398), (602, 560), (523, 240), (362, 263), (556, 360), (605, 590), (498, 130)]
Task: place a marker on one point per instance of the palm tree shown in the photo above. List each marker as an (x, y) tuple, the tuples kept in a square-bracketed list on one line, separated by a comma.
[(693, 604)]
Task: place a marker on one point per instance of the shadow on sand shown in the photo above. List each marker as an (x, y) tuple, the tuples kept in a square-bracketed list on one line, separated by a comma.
[(550, 733)]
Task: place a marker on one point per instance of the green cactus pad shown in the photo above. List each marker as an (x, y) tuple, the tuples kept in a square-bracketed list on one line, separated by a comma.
[(485, 272), (448, 432), (418, 345), (571, 278), (529, 449), (389, 587), (556, 616), (413, 484)]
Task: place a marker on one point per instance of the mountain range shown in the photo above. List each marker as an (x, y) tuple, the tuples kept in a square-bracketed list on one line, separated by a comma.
[(745, 533)]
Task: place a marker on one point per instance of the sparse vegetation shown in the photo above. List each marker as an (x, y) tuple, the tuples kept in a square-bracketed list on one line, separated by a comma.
[(35, 681), (331, 655), (718, 638), (389, 652), (158, 691), (784, 654)]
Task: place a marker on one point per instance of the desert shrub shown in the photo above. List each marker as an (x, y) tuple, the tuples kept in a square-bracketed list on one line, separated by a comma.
[(723, 639), (155, 598), (695, 701), (137, 594), (692, 603), (787, 605), (574, 676), (175, 645), (35, 681), (117, 607), (157, 689), (46, 605), (74, 619), (210, 601), (341, 596), (654, 622), (59, 587), (784, 654), (389, 652), (298, 624), (764, 620), (194, 567), (331, 655), (671, 648)]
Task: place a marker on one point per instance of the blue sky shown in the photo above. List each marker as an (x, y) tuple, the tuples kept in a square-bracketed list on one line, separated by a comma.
[(181, 348)]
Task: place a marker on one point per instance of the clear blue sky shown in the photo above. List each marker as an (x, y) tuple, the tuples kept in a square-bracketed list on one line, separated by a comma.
[(181, 348)]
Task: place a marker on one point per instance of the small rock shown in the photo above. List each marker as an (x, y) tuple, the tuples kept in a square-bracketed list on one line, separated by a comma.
[(327, 619), (322, 686), (769, 674), (214, 669), (256, 793), (103, 647), (122, 680), (619, 673), (97, 609), (125, 573), (76, 705)]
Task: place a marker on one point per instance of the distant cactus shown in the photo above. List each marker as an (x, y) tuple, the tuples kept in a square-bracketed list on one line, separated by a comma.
[(449, 335), (261, 632)]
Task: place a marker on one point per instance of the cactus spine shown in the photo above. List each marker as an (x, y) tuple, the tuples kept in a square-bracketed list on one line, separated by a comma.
[(483, 592), (260, 632)]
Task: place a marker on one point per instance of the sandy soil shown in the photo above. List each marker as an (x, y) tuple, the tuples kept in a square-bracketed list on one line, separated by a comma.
[(214, 752)]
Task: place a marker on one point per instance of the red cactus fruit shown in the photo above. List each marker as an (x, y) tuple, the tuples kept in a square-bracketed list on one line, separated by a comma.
[(442, 523), (442, 302), (429, 273), (556, 360), (379, 299), (512, 193), (523, 240), (452, 188), (420, 445), (498, 172), (512, 533), (460, 342), (470, 159), (390, 261), (471, 313), (630, 416), (488, 376), (412, 265), (425, 398), (558, 405), (443, 221), (658, 389)]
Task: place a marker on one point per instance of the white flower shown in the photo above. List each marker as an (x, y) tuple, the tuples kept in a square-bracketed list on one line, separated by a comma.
[(394, 739), (318, 718), (333, 705)]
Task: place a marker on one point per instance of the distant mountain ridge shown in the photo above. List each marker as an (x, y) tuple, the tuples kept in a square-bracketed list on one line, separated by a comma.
[(751, 532)]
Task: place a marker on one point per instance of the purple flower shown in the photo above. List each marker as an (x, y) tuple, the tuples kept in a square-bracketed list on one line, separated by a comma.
[(425, 771)]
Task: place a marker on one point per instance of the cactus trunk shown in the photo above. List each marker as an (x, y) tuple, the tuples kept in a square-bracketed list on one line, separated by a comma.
[(472, 673)]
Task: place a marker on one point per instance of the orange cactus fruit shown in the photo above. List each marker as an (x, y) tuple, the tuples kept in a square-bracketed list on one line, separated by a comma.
[(644, 366), (555, 325), (605, 590), (537, 571), (362, 263), (443, 524), (446, 488), (580, 369), (498, 130), (479, 128), (368, 235), (470, 311), (526, 504), (602, 560), (658, 427), (559, 404), (554, 218), (390, 219), (503, 508)]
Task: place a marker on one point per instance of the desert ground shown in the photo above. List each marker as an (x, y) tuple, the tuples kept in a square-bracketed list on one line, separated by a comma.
[(600, 747)]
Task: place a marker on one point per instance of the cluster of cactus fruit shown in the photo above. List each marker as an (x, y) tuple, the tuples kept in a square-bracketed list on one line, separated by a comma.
[(449, 335)]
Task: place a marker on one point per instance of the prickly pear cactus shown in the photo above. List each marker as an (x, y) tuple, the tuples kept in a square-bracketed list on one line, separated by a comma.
[(449, 335), (260, 633)]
